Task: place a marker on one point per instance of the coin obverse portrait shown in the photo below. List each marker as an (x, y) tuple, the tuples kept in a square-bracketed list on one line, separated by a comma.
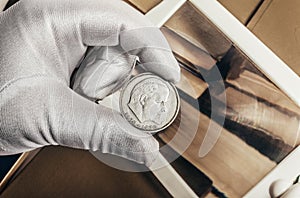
[(149, 103)]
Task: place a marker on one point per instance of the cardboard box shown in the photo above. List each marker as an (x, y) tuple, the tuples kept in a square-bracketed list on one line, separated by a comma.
[(277, 24), (241, 9)]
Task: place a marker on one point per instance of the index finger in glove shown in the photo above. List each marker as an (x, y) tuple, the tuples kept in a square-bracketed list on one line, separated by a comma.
[(136, 35)]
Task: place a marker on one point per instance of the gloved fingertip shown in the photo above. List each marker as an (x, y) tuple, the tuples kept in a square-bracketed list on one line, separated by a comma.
[(151, 151), (172, 74), (176, 76)]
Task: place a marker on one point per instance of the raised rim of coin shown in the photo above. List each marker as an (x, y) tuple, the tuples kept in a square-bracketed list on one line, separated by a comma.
[(154, 76)]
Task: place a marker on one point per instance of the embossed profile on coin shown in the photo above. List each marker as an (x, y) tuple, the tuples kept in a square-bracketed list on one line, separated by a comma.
[(148, 99), (149, 103)]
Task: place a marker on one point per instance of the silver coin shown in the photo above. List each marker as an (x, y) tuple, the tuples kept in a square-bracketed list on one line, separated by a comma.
[(149, 103)]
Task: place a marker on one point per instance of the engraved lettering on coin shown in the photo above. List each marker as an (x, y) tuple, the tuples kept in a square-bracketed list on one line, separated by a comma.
[(149, 103)]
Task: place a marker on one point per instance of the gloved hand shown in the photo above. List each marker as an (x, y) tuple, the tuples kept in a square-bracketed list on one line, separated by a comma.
[(41, 43)]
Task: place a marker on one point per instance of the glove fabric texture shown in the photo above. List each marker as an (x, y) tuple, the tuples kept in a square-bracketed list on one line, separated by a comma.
[(41, 43)]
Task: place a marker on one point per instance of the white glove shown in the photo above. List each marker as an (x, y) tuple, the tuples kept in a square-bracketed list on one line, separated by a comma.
[(41, 43), (103, 71)]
